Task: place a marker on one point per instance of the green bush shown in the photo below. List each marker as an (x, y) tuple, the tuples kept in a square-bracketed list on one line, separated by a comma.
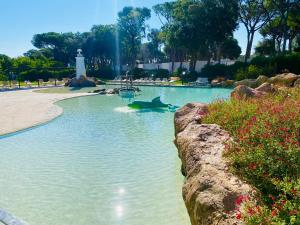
[(178, 72), (160, 73), (102, 73), (265, 153), (219, 70), (261, 61), (45, 74), (251, 72), (277, 64), (213, 71), (138, 73), (3, 77), (290, 62), (189, 76)]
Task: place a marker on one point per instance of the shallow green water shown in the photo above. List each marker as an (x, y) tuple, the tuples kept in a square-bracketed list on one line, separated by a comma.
[(99, 164)]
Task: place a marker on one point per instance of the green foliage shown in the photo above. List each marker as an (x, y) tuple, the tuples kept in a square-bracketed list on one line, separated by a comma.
[(132, 29), (219, 70), (250, 72), (253, 15), (198, 29), (141, 73), (230, 48), (189, 76), (213, 71), (265, 152), (178, 72), (45, 74), (3, 77), (290, 62), (160, 73), (265, 47), (105, 72), (138, 73)]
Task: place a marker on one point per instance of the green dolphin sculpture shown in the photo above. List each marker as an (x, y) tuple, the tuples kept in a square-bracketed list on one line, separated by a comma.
[(155, 103)]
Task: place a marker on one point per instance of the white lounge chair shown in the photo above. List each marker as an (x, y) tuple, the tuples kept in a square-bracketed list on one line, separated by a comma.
[(157, 81), (165, 80), (201, 81)]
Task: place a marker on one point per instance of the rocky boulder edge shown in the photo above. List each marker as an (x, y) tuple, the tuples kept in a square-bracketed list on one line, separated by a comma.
[(210, 190)]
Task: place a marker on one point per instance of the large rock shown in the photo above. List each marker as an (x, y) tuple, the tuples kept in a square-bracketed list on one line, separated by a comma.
[(81, 82), (266, 87), (285, 79), (297, 83), (244, 92), (190, 113), (247, 82), (261, 79), (227, 83), (210, 190)]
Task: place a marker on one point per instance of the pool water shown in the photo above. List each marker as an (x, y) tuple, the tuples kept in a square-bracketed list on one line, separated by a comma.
[(99, 163)]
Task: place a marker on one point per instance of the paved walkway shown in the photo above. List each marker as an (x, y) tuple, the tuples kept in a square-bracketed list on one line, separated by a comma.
[(25, 108)]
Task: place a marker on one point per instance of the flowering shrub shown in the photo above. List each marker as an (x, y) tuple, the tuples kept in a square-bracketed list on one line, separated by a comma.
[(265, 152)]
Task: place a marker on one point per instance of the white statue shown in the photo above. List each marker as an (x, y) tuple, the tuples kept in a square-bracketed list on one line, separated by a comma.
[(80, 65)]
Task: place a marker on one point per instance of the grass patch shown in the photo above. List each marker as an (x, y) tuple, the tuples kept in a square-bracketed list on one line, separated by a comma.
[(265, 153)]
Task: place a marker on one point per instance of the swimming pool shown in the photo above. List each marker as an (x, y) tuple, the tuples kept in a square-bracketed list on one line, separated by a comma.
[(99, 163)]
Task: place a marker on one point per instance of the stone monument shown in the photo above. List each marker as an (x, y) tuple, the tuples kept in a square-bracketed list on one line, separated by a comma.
[(80, 65), (81, 80)]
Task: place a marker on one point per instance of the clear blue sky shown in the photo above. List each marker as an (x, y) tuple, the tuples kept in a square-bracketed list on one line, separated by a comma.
[(21, 19)]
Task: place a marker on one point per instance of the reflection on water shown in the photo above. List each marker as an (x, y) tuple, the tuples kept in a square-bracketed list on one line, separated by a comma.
[(97, 165)]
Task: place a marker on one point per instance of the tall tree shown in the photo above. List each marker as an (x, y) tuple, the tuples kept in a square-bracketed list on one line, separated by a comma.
[(283, 10), (99, 46), (63, 45), (230, 48), (204, 25), (165, 13), (151, 51), (254, 15), (132, 29)]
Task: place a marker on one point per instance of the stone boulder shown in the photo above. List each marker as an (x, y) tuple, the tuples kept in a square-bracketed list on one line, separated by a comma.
[(247, 82), (244, 92), (266, 87), (210, 190), (227, 83), (261, 79), (192, 112), (112, 91), (215, 83), (297, 83), (81, 82), (222, 82), (285, 79)]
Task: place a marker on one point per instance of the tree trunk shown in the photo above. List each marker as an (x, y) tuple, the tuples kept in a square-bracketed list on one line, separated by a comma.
[(291, 43), (173, 60), (278, 41), (250, 37)]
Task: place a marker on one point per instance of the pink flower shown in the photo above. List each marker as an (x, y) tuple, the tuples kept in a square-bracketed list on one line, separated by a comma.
[(239, 215)]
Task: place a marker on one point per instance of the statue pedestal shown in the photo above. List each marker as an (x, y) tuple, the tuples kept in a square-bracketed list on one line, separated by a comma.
[(80, 67)]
